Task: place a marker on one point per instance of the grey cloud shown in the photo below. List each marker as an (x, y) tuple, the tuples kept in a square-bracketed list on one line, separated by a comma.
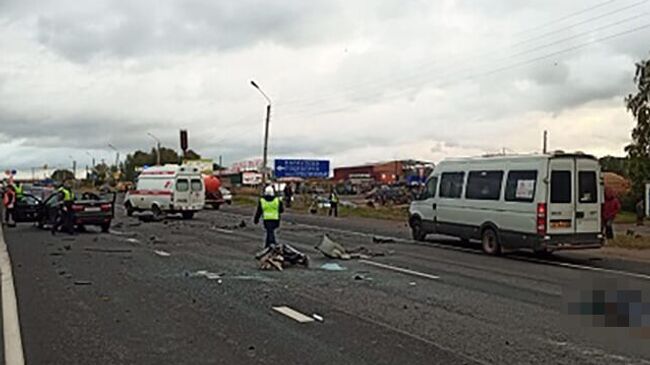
[(127, 29)]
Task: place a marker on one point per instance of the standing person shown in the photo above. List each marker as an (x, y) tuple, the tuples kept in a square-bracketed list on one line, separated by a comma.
[(9, 201), (611, 208), (65, 215), (334, 203), (288, 195), (269, 209), (640, 212), (20, 191)]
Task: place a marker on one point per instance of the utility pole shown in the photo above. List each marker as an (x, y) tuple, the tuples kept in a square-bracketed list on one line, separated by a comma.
[(157, 147), (266, 132), (545, 143), (220, 162), (117, 156)]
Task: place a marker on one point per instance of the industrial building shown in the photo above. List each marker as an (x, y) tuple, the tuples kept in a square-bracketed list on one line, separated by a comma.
[(398, 171)]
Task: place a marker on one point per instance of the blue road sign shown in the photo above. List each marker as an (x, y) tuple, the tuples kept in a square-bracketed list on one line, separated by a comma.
[(302, 168)]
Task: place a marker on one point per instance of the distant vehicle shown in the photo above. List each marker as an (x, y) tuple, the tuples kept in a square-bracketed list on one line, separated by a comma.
[(539, 202), (213, 194), (167, 189), (89, 210), (227, 195)]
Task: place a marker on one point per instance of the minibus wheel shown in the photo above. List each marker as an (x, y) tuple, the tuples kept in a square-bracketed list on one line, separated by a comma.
[(490, 241), (417, 231)]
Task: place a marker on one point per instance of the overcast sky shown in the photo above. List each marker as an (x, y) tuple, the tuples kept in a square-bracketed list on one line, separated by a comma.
[(351, 81)]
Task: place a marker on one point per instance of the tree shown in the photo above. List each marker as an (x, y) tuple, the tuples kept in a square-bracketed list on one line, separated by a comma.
[(62, 175), (617, 165), (139, 159), (639, 150)]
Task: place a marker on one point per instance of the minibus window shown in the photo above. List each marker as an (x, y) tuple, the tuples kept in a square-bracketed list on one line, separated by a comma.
[(430, 191), (520, 186), (561, 187), (182, 185), (484, 185), (451, 184), (588, 190), (197, 185)]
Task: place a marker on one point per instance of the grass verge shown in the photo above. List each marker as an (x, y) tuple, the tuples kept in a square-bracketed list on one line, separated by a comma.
[(637, 242)]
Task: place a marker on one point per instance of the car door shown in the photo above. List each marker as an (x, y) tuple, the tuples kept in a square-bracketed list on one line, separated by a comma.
[(427, 204), (198, 194), (50, 208), (27, 209), (182, 192), (587, 211), (561, 201)]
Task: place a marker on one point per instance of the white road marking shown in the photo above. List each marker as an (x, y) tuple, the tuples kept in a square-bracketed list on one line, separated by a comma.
[(293, 314), (400, 269), (228, 231), (461, 249), (11, 325), (588, 268)]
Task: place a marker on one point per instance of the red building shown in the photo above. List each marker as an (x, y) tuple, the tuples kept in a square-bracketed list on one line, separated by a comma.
[(383, 172)]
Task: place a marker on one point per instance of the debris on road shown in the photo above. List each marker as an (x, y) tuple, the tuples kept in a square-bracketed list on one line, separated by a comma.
[(222, 230), (132, 240), (332, 266), (334, 250), (162, 253), (361, 277), (108, 250), (380, 239), (206, 274), (82, 282), (280, 256), (229, 228)]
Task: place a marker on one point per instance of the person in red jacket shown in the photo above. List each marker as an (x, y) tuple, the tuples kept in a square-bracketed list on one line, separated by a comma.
[(611, 207)]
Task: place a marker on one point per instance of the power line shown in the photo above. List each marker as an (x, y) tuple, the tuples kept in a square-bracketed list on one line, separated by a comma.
[(619, 10), (494, 71), (377, 82), (568, 16)]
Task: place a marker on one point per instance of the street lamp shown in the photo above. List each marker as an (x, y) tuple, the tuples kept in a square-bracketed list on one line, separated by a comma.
[(92, 158), (157, 147), (117, 156), (74, 166), (266, 131)]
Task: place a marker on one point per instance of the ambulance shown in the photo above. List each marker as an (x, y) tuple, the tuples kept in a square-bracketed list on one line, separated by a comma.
[(168, 189)]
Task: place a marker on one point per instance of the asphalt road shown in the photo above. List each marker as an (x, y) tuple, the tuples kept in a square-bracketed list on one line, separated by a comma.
[(111, 299)]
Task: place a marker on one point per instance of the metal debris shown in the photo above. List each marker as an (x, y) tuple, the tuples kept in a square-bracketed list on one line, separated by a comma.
[(332, 266), (162, 253), (280, 256)]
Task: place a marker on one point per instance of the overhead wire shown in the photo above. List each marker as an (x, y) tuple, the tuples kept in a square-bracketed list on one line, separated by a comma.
[(477, 55), (489, 72)]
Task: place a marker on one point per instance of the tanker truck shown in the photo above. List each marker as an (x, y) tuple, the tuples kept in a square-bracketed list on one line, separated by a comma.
[(213, 195)]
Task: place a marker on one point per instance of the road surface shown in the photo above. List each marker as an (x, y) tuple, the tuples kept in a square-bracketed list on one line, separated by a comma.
[(189, 292)]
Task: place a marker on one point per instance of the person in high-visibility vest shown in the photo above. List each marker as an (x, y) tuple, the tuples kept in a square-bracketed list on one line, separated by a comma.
[(270, 209), (65, 216), (20, 190), (334, 203)]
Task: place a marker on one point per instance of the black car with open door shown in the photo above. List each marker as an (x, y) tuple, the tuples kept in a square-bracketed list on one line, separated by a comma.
[(90, 210)]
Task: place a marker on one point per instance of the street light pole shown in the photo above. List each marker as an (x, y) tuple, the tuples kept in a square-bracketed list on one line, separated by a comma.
[(157, 147), (117, 156), (266, 131)]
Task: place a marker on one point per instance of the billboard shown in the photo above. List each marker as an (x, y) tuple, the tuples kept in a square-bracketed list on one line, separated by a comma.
[(206, 166), (251, 178), (302, 168)]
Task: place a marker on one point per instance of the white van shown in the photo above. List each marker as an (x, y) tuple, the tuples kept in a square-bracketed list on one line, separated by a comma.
[(167, 189), (540, 202)]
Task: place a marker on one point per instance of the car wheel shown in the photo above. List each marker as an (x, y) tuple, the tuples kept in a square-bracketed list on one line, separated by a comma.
[(129, 209), (188, 215), (490, 241), (106, 227), (216, 206), (157, 212), (417, 230)]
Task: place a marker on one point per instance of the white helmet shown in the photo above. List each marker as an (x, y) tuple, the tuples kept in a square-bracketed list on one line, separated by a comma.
[(268, 191)]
